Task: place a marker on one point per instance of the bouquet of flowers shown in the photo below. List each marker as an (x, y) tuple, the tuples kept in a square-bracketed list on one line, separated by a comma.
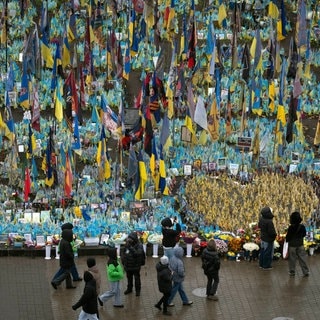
[(144, 235), (155, 238), (119, 238), (188, 237), (55, 239), (222, 246), (250, 246)]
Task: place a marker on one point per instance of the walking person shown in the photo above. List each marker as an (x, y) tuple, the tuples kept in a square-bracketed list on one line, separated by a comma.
[(66, 261), (132, 259), (93, 268), (295, 235), (88, 300), (176, 265), (268, 235), (211, 266), (164, 278), (114, 275), (170, 232), (73, 270)]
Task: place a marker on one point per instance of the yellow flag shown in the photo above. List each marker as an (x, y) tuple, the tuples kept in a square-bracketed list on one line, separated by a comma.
[(280, 36), (281, 114), (273, 11), (272, 94), (222, 14), (316, 140)]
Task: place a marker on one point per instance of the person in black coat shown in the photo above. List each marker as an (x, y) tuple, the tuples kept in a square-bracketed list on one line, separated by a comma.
[(295, 235), (211, 266), (66, 260), (268, 235), (132, 259), (170, 235), (88, 300), (164, 277)]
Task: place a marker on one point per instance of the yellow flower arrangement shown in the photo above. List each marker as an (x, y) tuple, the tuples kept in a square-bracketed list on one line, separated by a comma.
[(309, 244), (144, 235)]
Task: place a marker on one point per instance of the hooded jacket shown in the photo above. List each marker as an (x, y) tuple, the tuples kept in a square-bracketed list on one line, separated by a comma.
[(170, 235), (133, 256), (210, 262), (88, 300), (177, 265), (296, 231), (268, 231), (164, 277), (65, 249), (96, 275)]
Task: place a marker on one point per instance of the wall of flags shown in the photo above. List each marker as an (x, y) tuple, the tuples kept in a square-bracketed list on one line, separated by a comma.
[(228, 69)]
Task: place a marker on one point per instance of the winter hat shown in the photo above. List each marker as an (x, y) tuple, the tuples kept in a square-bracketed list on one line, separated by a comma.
[(91, 262), (266, 212), (164, 260), (295, 218), (87, 276), (67, 225), (167, 222), (133, 236)]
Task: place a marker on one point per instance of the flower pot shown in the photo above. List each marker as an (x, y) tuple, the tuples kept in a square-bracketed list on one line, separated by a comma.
[(311, 251), (118, 249), (48, 253), (57, 253), (145, 248), (155, 248), (189, 250)]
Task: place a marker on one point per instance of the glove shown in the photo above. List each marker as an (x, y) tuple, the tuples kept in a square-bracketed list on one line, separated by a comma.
[(74, 307)]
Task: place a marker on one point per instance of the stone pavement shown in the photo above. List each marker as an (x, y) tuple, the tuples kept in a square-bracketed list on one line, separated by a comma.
[(245, 292)]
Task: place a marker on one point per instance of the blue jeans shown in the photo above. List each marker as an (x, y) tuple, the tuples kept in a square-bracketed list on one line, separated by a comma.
[(73, 270), (113, 292), (168, 252), (266, 254), (178, 287)]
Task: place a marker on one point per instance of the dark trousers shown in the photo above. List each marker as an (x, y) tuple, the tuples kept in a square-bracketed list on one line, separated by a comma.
[(137, 281), (73, 270), (65, 274), (164, 300), (212, 284)]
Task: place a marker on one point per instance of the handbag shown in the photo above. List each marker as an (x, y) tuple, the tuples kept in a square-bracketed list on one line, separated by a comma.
[(285, 250)]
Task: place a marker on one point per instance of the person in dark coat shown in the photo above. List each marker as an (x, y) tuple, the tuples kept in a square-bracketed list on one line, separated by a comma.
[(295, 235), (74, 270), (164, 277), (132, 259), (268, 235), (88, 300), (211, 266), (170, 235), (66, 260)]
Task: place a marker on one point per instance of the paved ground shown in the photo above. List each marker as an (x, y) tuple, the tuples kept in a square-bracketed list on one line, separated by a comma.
[(245, 292)]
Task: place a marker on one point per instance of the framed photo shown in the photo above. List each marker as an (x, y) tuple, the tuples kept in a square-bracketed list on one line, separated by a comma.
[(197, 164), (186, 135), (125, 216), (104, 238), (293, 167), (187, 170), (40, 241), (222, 163), (263, 162), (205, 167), (212, 166), (295, 157), (45, 215), (234, 168)]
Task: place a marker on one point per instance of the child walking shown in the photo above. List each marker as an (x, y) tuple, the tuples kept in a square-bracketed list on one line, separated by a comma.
[(88, 300), (93, 269), (114, 275), (211, 266), (164, 277)]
